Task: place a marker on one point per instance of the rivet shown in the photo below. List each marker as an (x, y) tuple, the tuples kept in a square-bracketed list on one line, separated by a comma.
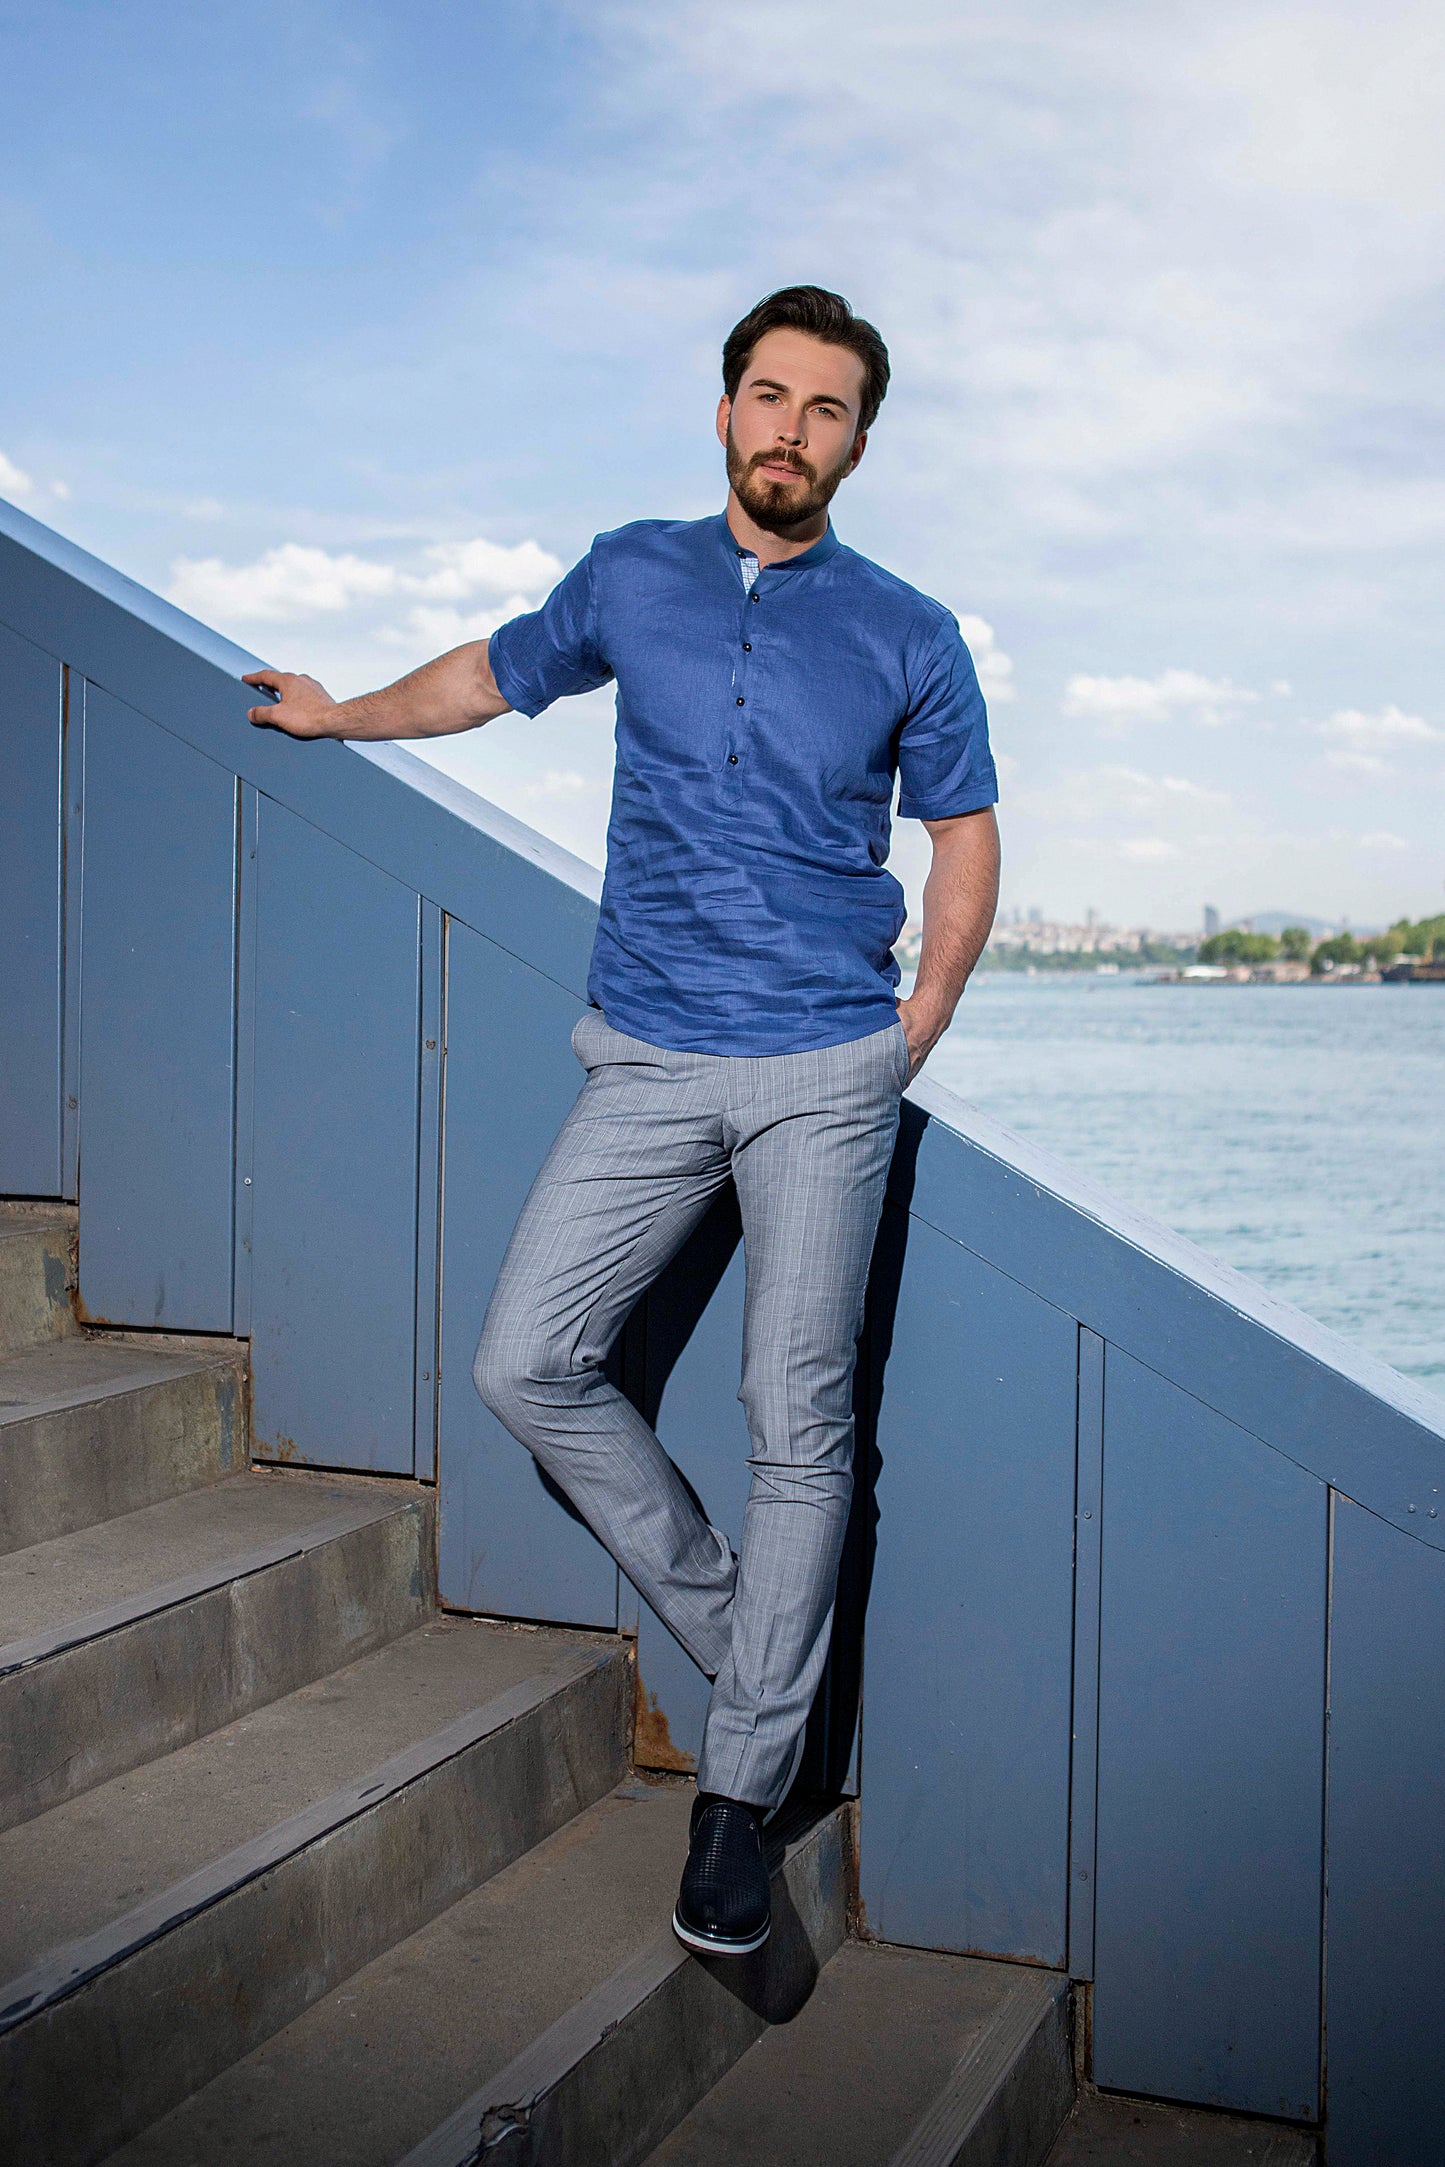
[(1409, 1508)]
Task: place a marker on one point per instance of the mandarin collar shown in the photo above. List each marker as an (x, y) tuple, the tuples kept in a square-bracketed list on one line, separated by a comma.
[(826, 546)]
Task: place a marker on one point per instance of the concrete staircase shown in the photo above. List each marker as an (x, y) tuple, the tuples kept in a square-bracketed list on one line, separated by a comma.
[(294, 1867)]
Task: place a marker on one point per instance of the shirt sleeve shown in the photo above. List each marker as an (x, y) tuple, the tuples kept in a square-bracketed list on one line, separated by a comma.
[(548, 652), (944, 763)]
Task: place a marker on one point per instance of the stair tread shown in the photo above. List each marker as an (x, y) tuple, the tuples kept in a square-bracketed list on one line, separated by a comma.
[(1113, 2130), (85, 1865), (373, 2067), (68, 1372), (846, 2081), (59, 1583), (19, 1218)]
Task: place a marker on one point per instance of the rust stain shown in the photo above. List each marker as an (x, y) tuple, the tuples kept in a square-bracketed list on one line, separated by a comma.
[(652, 1745), (84, 1315)]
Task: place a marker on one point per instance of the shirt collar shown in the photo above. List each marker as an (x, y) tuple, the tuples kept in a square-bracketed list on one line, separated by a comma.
[(826, 546)]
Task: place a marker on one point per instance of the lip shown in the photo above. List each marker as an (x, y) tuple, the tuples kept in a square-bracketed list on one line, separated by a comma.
[(792, 474)]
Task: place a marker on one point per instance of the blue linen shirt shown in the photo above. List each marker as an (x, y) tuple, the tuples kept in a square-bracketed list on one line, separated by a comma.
[(746, 907)]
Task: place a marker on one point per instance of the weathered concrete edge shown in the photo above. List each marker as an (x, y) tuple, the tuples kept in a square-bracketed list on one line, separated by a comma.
[(64, 1970), (97, 1708), (71, 1467), (90, 2071), (662, 2029), (37, 1248), (1007, 2097), (151, 1602)]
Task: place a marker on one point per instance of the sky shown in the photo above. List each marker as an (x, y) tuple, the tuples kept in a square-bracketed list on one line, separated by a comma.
[(348, 327)]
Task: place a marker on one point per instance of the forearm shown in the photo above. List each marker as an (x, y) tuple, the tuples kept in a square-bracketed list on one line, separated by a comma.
[(960, 897), (456, 692)]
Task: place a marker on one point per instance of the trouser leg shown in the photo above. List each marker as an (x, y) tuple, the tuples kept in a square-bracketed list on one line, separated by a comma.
[(633, 1170), (811, 1156)]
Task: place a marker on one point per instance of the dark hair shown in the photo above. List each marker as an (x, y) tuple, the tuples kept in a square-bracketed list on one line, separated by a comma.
[(822, 315)]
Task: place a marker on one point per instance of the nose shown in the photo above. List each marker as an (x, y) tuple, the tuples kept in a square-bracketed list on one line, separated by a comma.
[(791, 432)]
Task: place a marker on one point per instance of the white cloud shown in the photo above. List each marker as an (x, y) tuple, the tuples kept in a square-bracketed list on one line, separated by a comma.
[(995, 668), (437, 628), (1382, 839), (1147, 849), (481, 567), (297, 581), (284, 586), (1384, 726), (1357, 763), (13, 482), (559, 784), (1103, 793), (1120, 703)]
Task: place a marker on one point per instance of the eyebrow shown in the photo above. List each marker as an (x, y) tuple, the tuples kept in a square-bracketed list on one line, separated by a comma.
[(770, 383)]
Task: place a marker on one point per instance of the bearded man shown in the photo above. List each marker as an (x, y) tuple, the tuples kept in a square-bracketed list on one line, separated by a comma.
[(743, 1026)]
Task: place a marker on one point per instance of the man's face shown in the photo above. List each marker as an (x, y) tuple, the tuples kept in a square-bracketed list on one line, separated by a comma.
[(791, 432)]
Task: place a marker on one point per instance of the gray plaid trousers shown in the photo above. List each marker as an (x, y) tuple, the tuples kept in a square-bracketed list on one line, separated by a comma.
[(807, 1138)]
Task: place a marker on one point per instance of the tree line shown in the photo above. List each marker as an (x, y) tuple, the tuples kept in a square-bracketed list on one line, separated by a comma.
[(1420, 937)]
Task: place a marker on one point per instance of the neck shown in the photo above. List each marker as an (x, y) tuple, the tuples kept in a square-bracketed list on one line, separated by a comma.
[(769, 547)]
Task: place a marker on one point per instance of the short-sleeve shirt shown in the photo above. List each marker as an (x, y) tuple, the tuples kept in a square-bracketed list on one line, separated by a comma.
[(747, 907)]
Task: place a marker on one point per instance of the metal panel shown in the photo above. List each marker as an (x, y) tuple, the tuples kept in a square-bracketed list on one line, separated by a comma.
[(31, 874), (428, 1196), (691, 1369), (1088, 1538), (967, 1658), (245, 1189), (509, 1543), (1211, 1748), (334, 1225), (158, 963), (1318, 1399), (1386, 1972)]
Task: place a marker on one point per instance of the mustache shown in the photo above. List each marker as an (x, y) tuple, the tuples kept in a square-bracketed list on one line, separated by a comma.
[(788, 459)]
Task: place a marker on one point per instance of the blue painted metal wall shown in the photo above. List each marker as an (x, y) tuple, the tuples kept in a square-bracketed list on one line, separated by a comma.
[(1121, 1522), (32, 890), (157, 1025), (335, 1048)]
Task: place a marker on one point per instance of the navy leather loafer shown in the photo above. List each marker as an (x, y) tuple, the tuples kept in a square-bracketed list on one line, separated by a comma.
[(724, 1907)]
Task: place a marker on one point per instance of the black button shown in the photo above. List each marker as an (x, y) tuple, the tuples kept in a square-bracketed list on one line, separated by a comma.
[(732, 759), (747, 647), (754, 596), (741, 701)]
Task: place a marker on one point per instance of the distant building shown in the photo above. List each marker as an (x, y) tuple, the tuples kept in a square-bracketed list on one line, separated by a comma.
[(1211, 921)]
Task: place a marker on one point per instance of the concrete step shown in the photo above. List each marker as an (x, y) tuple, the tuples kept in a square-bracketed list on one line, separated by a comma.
[(124, 1641), (901, 2058), (92, 1428), (551, 2016), (37, 1272), (1110, 2129), (161, 1926)]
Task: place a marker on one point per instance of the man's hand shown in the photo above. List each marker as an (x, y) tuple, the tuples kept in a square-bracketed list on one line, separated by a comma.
[(456, 692), (304, 708), (960, 897)]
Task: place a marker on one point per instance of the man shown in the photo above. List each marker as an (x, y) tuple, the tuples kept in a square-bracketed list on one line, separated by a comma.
[(744, 1024)]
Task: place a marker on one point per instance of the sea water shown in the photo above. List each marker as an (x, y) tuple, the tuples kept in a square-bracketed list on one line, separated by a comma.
[(1295, 1132)]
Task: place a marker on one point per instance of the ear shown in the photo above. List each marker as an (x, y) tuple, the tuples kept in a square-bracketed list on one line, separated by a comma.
[(860, 445), (724, 413)]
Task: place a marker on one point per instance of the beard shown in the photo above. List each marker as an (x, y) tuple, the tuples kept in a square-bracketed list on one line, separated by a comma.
[(775, 506)]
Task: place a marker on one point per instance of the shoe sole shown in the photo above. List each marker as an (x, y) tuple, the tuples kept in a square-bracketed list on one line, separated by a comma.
[(705, 1946)]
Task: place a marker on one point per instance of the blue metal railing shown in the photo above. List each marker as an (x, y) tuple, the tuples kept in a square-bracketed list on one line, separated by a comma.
[(1150, 1564)]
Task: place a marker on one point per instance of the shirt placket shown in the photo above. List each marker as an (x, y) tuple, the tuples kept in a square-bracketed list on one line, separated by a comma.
[(739, 737)]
